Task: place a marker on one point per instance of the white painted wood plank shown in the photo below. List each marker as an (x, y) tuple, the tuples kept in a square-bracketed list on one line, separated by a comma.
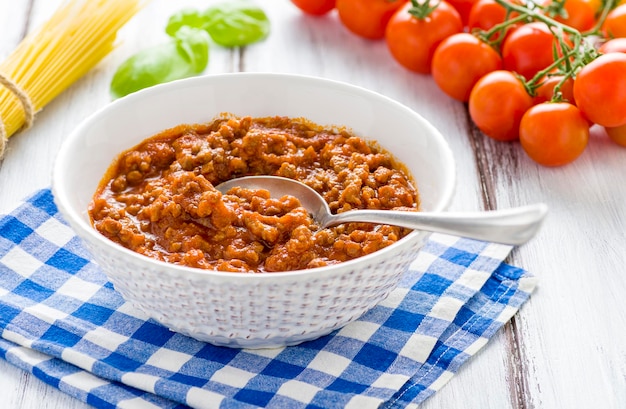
[(574, 328)]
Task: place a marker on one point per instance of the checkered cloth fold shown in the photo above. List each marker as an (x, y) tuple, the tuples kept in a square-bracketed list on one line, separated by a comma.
[(61, 320)]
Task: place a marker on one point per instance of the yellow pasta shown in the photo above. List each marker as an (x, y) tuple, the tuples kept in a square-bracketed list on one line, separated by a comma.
[(54, 56)]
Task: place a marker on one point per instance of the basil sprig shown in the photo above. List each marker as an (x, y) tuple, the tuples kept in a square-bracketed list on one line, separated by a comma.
[(185, 55), (232, 23)]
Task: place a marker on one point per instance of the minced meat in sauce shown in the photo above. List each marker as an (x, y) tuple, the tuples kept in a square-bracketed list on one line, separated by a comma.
[(158, 199)]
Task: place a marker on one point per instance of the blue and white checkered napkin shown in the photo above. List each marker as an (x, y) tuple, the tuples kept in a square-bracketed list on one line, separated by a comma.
[(61, 320)]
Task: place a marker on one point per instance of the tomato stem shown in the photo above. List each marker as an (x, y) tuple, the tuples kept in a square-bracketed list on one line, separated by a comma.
[(571, 52), (607, 6), (422, 10), (556, 8), (536, 16), (499, 29)]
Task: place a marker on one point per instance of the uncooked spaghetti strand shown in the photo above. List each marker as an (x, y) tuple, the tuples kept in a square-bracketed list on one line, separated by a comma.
[(55, 55), (81, 61), (96, 42), (25, 54)]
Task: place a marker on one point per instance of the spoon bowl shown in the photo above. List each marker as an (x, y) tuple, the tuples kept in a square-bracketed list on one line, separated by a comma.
[(513, 226)]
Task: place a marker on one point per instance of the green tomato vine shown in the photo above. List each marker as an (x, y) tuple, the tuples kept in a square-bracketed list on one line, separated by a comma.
[(572, 51)]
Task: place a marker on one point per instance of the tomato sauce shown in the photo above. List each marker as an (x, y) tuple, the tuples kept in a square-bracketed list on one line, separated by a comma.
[(158, 198)]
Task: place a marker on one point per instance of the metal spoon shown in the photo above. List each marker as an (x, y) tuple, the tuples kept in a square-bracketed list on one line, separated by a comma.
[(511, 226)]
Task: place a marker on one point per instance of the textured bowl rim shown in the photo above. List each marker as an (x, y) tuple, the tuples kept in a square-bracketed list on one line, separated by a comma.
[(76, 221)]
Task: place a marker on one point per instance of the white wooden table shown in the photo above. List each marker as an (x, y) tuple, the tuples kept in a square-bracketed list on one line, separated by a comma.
[(567, 346)]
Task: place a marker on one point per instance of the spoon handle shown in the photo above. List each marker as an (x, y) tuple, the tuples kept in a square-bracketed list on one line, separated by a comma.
[(510, 226)]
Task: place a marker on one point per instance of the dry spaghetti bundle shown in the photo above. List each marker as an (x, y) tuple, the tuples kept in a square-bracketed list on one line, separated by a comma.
[(51, 58)]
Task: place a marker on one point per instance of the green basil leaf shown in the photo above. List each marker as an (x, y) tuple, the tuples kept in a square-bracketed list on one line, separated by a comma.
[(236, 23), (193, 45), (185, 55), (184, 18)]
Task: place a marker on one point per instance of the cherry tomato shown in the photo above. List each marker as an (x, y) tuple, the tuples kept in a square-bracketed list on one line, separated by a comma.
[(460, 61), (463, 7), (367, 18), (578, 14), (596, 5), (315, 7), (528, 49), (554, 133), (497, 103), (616, 45), (487, 13), (617, 134), (600, 90), (614, 25), (412, 41), (545, 91)]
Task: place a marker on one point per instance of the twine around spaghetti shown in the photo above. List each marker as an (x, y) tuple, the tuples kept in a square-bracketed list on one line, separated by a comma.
[(27, 106)]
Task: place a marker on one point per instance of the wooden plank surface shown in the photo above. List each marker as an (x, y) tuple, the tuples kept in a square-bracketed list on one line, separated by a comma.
[(567, 346)]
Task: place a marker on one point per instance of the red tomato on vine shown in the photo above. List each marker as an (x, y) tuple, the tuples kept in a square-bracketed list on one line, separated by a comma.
[(596, 5), (487, 13), (600, 90), (554, 133), (617, 134), (460, 61), (616, 45), (463, 7), (529, 49), (614, 25), (545, 91), (315, 7), (415, 30), (367, 18), (497, 103), (578, 14)]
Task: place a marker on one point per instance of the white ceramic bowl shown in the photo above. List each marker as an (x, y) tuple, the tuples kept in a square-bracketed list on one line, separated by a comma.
[(255, 310)]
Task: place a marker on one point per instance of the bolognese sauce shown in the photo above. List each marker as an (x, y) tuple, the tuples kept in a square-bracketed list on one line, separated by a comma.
[(159, 198)]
